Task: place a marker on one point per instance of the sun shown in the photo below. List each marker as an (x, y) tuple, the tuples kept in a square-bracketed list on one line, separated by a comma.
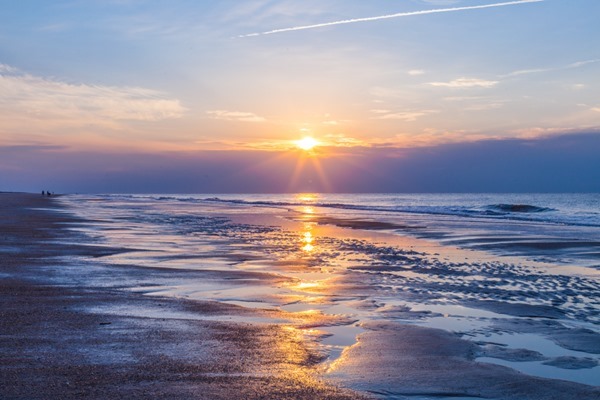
[(307, 143)]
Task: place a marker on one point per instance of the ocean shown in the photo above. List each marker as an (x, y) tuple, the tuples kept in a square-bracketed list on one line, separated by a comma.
[(516, 274), (559, 228)]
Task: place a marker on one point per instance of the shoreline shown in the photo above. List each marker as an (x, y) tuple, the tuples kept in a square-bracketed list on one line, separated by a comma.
[(211, 326), (53, 347)]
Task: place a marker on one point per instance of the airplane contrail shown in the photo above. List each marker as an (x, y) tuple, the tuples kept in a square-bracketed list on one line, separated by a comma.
[(397, 15)]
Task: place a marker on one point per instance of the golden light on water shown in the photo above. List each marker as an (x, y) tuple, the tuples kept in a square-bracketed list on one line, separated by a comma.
[(308, 210), (308, 238), (311, 312), (308, 248), (307, 285), (307, 198)]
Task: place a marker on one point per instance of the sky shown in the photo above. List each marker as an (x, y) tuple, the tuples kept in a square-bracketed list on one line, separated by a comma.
[(194, 96)]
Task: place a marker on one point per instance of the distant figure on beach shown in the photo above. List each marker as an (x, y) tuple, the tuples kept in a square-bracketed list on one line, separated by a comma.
[(43, 192)]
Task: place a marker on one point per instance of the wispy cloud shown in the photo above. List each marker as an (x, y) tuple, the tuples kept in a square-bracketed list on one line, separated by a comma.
[(341, 140), (526, 72), (389, 16), (466, 83), (462, 98), (235, 116), (33, 96), (484, 107), (416, 72), (7, 69), (380, 111), (406, 116), (582, 63), (577, 64)]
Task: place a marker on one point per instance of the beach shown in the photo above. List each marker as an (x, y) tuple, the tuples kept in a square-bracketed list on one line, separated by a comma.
[(213, 297), (52, 346)]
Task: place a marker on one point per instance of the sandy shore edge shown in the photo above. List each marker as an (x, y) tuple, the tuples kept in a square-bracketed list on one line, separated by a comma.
[(53, 348), (75, 338)]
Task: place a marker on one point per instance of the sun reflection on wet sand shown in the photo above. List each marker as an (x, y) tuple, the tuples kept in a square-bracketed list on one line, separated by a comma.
[(308, 210), (307, 285), (307, 238)]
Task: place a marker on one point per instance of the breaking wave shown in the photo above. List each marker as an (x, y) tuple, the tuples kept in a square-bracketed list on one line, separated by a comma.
[(518, 208)]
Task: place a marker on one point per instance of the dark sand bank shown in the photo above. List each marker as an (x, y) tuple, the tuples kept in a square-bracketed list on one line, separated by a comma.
[(52, 347), (398, 360)]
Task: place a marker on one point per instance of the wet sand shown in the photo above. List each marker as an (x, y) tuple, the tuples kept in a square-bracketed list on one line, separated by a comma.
[(404, 360), (53, 347), (249, 311)]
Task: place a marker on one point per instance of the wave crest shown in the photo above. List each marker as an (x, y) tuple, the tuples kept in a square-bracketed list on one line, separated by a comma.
[(518, 208)]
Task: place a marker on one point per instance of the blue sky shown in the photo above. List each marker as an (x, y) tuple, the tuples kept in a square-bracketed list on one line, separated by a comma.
[(172, 78)]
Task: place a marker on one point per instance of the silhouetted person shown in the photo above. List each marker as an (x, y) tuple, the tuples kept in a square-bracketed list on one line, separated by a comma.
[(43, 192)]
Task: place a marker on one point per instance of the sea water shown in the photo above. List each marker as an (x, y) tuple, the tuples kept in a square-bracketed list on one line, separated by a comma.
[(492, 268)]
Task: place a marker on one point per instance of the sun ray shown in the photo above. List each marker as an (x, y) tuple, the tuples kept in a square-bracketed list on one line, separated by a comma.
[(300, 162), (321, 174)]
